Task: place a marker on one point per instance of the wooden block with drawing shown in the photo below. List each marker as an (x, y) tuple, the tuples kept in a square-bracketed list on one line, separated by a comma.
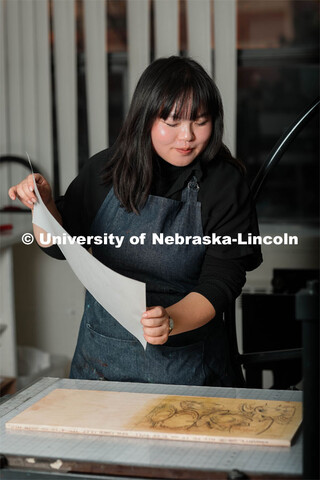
[(222, 420)]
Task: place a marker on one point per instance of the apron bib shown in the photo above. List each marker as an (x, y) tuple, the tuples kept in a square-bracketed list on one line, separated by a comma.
[(106, 350)]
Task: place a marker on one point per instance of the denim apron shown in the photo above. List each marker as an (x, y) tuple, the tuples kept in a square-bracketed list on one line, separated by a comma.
[(106, 350)]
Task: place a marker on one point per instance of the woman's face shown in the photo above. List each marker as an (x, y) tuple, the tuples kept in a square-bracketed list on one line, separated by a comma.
[(179, 142)]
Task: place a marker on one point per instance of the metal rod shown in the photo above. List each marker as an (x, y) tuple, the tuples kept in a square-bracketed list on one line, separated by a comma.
[(281, 146)]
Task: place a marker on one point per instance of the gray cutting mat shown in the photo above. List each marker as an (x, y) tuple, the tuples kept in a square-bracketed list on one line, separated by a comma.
[(147, 452)]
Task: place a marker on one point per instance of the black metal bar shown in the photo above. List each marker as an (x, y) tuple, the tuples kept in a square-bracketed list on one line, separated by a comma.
[(307, 311), (281, 146), (270, 356)]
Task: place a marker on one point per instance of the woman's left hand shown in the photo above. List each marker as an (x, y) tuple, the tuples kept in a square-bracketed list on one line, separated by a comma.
[(155, 323)]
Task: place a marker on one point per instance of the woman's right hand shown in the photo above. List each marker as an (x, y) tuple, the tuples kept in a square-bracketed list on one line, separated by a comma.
[(24, 191)]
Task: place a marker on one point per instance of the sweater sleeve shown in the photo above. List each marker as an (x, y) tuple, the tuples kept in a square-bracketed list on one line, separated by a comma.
[(221, 281), (230, 216), (229, 213)]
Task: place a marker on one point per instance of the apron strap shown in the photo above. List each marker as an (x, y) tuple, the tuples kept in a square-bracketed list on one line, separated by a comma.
[(190, 193)]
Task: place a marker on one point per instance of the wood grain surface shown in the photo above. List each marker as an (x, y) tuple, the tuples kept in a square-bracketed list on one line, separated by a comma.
[(222, 420)]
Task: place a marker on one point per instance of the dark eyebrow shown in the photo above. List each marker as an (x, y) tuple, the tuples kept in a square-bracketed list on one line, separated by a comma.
[(204, 114)]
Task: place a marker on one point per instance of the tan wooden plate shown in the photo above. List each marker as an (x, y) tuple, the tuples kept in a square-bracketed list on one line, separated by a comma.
[(223, 420)]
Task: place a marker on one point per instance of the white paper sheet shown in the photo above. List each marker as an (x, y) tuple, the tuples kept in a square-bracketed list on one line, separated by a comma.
[(123, 297)]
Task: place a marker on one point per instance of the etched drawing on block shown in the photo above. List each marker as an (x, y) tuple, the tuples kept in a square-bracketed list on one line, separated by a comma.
[(195, 416), (220, 419)]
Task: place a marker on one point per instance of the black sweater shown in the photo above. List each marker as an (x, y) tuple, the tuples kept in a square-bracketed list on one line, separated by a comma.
[(226, 209)]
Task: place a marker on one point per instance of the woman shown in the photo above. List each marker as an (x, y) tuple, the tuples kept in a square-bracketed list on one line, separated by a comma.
[(168, 173)]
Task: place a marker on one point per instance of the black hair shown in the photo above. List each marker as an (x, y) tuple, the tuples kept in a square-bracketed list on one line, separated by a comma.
[(166, 83)]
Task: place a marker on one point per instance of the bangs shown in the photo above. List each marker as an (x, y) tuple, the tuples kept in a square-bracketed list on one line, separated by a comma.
[(186, 104)]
